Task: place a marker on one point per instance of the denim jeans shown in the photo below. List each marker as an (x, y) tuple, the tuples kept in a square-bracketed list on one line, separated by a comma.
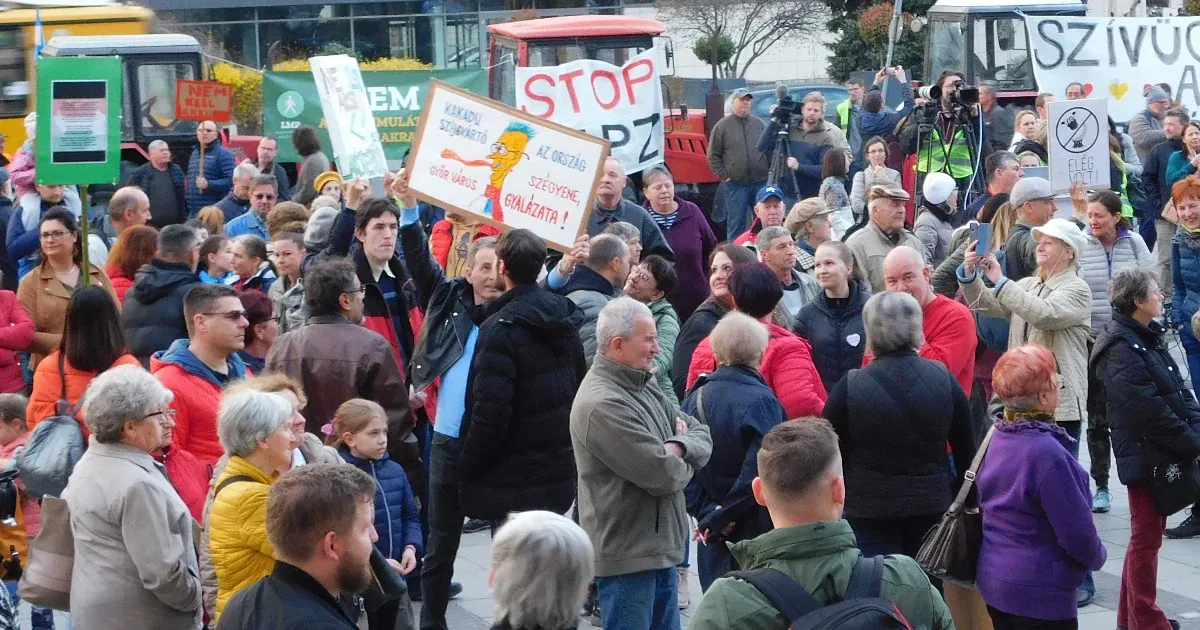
[(1191, 348), (647, 600), (445, 531), (739, 203), (712, 562), (39, 618)]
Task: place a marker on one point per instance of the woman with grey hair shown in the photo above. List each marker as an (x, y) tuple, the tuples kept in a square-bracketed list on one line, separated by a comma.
[(135, 561), (1155, 422), (687, 232), (631, 235), (739, 408), (542, 563), (893, 419), (255, 432)]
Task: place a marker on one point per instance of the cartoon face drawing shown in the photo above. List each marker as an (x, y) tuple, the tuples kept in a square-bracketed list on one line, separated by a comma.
[(506, 153)]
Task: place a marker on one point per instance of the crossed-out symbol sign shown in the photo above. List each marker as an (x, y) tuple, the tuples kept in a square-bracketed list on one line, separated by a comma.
[(1077, 130)]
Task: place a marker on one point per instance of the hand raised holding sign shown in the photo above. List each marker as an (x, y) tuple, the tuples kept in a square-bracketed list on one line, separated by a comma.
[(358, 190), (397, 184)]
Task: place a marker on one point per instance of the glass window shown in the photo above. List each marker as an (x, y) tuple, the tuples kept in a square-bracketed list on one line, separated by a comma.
[(304, 12), (505, 5), (462, 41), (156, 97), (408, 7), (502, 77), (301, 39), (127, 117), (14, 85), (945, 48), (235, 42), (1002, 53), (555, 55), (399, 37)]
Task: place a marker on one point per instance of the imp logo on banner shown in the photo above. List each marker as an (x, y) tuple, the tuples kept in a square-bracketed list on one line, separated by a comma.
[(290, 104), (1078, 130)]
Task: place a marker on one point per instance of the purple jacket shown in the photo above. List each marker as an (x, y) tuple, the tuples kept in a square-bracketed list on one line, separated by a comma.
[(693, 241), (1038, 536)]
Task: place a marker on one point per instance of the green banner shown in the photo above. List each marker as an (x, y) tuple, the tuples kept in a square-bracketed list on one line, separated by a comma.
[(79, 99), (395, 96)]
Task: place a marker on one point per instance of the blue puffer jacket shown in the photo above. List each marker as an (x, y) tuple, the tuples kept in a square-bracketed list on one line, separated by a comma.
[(219, 163), (397, 517), (838, 338), (1185, 273)]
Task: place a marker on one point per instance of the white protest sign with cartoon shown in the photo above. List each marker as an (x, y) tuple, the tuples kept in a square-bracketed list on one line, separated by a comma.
[(1077, 140), (478, 157)]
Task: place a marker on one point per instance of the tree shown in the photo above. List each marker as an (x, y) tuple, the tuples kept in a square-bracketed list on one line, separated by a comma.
[(703, 51), (851, 53), (753, 26)]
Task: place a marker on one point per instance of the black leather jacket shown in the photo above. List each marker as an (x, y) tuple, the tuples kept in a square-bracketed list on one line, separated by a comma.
[(447, 305)]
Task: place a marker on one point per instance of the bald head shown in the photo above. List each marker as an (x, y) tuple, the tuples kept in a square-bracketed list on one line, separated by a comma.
[(905, 271), (129, 206)]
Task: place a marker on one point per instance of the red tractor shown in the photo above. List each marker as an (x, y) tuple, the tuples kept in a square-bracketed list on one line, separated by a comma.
[(613, 39)]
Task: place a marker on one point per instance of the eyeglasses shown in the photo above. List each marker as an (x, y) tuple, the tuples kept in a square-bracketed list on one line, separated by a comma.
[(209, 130), (54, 236), (265, 196), (168, 414), (358, 290), (232, 316)]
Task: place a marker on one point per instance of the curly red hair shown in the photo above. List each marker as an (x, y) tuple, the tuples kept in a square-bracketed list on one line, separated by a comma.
[(1023, 373), (1186, 188)]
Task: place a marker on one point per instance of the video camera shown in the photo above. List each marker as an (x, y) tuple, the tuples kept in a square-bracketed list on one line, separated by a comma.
[(961, 95), (785, 107)]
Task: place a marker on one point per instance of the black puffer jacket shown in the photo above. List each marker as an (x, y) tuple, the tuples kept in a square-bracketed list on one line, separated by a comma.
[(838, 337), (516, 436), (1146, 396), (1032, 145), (153, 312), (697, 327), (893, 419)]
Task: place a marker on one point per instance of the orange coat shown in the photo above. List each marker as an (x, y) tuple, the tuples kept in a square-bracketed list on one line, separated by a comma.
[(47, 387), (45, 299)]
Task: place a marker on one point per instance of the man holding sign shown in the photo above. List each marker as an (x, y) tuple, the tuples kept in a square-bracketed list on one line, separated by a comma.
[(210, 169)]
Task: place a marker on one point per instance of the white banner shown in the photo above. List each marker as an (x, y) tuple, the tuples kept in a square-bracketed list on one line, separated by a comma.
[(1117, 59), (620, 104), (1078, 144), (356, 144)]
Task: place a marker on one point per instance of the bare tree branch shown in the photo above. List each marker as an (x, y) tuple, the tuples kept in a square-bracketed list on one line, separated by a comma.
[(754, 26)]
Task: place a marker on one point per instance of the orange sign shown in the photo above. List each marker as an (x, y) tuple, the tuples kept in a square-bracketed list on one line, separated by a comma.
[(203, 100)]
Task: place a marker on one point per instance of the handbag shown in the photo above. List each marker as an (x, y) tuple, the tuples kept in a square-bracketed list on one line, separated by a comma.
[(1174, 484), (53, 449), (1169, 213), (950, 551), (46, 581)]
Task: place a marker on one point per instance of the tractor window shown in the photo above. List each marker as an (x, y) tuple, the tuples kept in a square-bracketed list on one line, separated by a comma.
[(1002, 53), (946, 48), (555, 55), (126, 104), (14, 85), (502, 74), (156, 94)]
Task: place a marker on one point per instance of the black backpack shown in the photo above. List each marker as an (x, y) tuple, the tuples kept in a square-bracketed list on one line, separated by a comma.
[(860, 609)]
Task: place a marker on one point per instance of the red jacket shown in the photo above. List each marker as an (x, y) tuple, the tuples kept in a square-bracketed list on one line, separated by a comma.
[(442, 243), (197, 399), (748, 237), (786, 366), (950, 339), (120, 283), (16, 333)]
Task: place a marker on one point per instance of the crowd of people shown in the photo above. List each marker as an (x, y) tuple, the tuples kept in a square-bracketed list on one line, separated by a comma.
[(295, 399)]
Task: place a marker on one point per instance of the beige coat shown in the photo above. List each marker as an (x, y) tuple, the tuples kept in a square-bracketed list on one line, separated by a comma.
[(45, 299), (135, 560), (870, 245), (1056, 314)]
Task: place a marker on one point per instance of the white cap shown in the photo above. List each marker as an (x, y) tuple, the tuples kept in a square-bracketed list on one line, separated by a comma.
[(937, 188), (1064, 231)]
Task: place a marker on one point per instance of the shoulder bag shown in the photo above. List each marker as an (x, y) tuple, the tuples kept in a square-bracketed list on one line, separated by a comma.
[(950, 551), (46, 581), (54, 447)]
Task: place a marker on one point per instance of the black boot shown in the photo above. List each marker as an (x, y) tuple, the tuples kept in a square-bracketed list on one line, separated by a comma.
[(1189, 528)]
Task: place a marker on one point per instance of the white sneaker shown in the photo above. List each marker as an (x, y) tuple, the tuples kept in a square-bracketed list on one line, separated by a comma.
[(685, 590)]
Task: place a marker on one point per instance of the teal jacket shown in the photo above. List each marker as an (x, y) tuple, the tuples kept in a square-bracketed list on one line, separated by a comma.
[(1178, 167), (820, 557)]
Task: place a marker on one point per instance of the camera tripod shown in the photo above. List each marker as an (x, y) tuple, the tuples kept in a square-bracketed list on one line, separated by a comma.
[(779, 165)]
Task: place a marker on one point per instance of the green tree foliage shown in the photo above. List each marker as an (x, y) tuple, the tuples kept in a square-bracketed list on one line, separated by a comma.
[(725, 49), (850, 53)]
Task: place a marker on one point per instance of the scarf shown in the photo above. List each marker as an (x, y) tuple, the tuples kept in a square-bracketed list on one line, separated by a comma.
[(1026, 416)]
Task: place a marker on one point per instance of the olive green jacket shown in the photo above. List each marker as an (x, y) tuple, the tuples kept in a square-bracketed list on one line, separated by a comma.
[(820, 557)]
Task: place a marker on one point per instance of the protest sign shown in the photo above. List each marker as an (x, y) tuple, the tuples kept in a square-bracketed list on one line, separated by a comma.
[(203, 100), (356, 144), (1116, 59), (81, 142), (620, 104), (395, 96), (478, 157), (1077, 139)]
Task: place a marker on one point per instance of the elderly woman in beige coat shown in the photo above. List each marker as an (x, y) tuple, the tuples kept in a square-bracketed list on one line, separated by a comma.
[(135, 560), (1052, 308)]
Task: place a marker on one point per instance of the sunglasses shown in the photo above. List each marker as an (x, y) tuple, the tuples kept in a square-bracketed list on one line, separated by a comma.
[(232, 316)]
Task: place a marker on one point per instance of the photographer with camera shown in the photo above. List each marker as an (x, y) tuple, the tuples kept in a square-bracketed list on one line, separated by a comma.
[(947, 133), (797, 156)]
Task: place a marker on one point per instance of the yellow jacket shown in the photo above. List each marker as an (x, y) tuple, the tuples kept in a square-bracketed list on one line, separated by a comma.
[(237, 530)]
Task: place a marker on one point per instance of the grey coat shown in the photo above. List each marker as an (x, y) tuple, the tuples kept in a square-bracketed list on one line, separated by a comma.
[(1098, 266), (863, 181), (871, 245), (135, 559), (935, 233)]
